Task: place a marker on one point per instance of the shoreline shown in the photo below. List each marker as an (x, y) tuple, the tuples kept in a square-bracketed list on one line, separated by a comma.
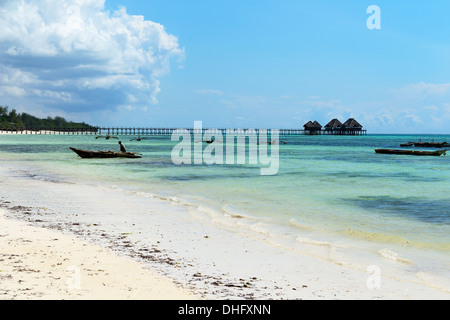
[(179, 243), (45, 132)]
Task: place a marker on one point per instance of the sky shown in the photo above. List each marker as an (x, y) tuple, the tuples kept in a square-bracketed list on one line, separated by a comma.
[(229, 63)]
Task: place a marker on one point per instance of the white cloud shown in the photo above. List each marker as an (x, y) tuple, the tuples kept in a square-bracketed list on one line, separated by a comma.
[(76, 55), (13, 91), (422, 90), (411, 114)]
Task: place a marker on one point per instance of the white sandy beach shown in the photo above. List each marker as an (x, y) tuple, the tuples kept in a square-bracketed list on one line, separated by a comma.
[(37, 263), (148, 248)]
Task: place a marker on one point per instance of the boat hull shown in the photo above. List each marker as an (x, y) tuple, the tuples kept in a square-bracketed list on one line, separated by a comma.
[(104, 154), (412, 152), (425, 144), (431, 144)]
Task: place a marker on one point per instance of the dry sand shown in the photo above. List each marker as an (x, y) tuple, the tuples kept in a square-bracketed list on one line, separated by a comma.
[(37, 263)]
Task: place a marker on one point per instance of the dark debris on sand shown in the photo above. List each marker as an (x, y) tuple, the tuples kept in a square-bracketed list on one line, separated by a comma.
[(211, 286)]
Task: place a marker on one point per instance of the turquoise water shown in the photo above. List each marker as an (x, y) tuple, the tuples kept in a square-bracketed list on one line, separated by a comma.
[(330, 185)]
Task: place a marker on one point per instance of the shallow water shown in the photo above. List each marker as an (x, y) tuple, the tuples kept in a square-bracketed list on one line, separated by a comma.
[(328, 188)]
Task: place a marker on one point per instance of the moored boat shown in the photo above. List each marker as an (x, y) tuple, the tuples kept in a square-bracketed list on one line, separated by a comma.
[(431, 144), (411, 152), (104, 154), (408, 144), (421, 144)]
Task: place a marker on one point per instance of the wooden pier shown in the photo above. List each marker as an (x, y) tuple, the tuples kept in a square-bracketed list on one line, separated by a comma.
[(116, 131)]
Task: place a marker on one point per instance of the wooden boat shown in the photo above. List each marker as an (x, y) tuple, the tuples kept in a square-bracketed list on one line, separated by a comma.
[(274, 142), (431, 144), (105, 154), (421, 144), (138, 139), (408, 144), (412, 152)]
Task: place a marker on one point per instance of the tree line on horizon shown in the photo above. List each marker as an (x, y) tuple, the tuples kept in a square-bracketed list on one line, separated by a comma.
[(24, 121)]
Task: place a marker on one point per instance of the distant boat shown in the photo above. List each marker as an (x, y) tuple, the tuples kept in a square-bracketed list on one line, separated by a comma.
[(105, 154), (106, 137), (431, 144), (408, 144), (138, 139), (412, 152), (276, 142), (421, 144)]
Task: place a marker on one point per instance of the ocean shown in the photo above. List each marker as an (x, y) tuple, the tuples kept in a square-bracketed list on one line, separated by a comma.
[(328, 191)]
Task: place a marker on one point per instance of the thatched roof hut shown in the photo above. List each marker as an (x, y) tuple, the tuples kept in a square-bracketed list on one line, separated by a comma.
[(318, 125), (352, 124), (335, 127), (312, 126), (334, 124)]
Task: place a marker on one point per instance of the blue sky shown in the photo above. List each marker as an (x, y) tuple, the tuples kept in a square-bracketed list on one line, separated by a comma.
[(248, 64)]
